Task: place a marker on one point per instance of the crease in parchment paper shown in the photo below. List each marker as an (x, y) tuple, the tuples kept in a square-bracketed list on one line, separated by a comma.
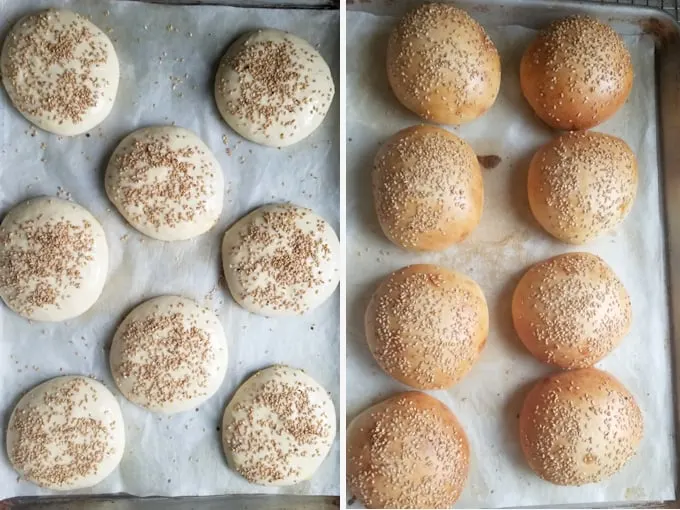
[(168, 57), (508, 240)]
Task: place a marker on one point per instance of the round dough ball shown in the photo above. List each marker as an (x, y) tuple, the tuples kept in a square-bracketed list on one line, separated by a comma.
[(579, 427), (166, 183), (408, 451), (582, 185), (442, 65), (66, 433), (576, 73), (273, 88), (427, 188), (279, 427), (169, 355), (571, 310), (53, 259), (60, 71), (426, 325), (281, 259)]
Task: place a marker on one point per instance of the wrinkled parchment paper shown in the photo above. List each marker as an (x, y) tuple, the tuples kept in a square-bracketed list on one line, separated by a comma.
[(487, 401), (168, 57)]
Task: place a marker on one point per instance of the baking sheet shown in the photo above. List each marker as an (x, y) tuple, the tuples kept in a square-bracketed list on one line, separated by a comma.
[(508, 240), (168, 57)]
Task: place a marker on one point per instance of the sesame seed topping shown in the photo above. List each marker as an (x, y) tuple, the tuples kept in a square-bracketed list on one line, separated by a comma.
[(60, 71), (427, 187), (442, 65), (281, 259), (273, 87), (579, 427), (279, 427), (66, 433), (571, 310), (582, 184), (426, 325), (408, 451)]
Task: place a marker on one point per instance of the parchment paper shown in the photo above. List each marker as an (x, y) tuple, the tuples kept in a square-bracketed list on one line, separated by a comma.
[(487, 401), (158, 47)]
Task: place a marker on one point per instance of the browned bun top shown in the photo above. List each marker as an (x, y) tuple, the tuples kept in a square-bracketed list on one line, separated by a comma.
[(579, 427), (408, 451), (571, 310), (442, 65), (426, 325), (427, 188), (582, 184), (576, 73)]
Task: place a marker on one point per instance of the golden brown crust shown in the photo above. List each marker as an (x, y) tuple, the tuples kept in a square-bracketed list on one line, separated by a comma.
[(427, 188), (581, 185), (408, 451), (576, 74), (426, 325), (571, 310), (442, 65), (579, 427)]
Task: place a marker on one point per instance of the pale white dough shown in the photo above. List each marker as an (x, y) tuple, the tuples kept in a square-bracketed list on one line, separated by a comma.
[(166, 183), (273, 88), (169, 355), (278, 427), (66, 433), (281, 259), (53, 259), (60, 71)]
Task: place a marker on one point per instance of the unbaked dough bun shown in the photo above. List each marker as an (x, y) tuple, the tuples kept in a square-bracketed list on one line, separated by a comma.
[(281, 259), (169, 355), (579, 427), (576, 73), (60, 71), (408, 451), (427, 188), (279, 427), (273, 88), (442, 65), (582, 185), (53, 259), (426, 325), (166, 183), (66, 433), (571, 310)]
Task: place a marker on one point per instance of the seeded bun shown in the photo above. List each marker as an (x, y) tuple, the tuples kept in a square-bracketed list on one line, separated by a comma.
[(273, 88), (571, 310), (426, 325), (581, 185), (579, 427), (53, 259), (442, 65), (67, 433), (279, 427), (576, 74), (408, 451), (60, 71), (169, 355), (427, 188)]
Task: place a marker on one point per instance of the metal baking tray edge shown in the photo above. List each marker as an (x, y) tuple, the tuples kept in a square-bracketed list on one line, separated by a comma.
[(629, 19), (228, 501)]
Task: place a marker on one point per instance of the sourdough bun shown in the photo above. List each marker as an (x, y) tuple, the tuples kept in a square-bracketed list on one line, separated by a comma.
[(579, 427), (576, 73), (427, 188), (581, 185), (442, 65), (571, 310), (408, 451), (426, 325)]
